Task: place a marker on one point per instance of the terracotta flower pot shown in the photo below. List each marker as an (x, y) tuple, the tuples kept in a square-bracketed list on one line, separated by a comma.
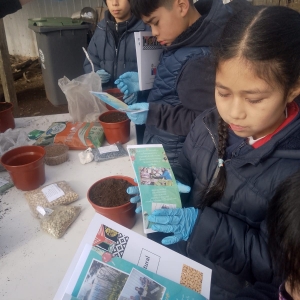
[(114, 130), (6, 116), (25, 166), (116, 93), (123, 214)]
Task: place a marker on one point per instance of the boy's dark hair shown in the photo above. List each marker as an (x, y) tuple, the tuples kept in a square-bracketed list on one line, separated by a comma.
[(283, 223), (147, 7), (271, 47)]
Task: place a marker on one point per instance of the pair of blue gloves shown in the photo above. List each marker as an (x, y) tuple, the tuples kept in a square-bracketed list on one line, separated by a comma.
[(180, 221), (128, 84)]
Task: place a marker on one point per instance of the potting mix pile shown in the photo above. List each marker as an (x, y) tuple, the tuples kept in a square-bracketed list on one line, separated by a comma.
[(110, 192), (114, 117)]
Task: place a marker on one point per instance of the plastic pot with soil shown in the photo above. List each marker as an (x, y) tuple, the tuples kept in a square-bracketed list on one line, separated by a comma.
[(6, 116), (116, 126), (109, 198), (116, 93)]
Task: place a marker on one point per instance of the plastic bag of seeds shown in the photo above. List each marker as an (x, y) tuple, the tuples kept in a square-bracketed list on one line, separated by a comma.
[(56, 221), (49, 196), (109, 152)]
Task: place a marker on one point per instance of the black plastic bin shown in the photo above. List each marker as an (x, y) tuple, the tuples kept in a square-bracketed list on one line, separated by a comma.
[(60, 42)]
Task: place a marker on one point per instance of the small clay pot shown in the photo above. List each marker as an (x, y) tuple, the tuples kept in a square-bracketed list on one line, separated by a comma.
[(25, 166), (116, 126), (116, 93), (6, 116), (123, 214)]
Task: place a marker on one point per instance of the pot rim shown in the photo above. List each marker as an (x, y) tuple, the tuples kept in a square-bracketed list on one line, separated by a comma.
[(14, 149), (131, 180), (111, 112), (2, 103)]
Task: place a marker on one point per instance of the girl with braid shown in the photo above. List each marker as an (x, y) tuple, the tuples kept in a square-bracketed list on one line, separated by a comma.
[(237, 153)]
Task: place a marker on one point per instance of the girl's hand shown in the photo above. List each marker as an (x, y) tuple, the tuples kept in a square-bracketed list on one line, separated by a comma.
[(180, 221)]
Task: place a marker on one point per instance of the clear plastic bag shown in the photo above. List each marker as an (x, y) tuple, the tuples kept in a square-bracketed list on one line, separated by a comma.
[(56, 221), (82, 105), (11, 139)]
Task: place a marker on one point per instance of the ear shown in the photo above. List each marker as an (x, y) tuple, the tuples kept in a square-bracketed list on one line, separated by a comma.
[(293, 93), (184, 6)]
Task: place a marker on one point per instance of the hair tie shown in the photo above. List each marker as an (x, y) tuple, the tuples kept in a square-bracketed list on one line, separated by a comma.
[(220, 162)]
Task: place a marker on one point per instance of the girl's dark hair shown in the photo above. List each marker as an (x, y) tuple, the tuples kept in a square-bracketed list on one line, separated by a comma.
[(147, 7), (283, 223), (269, 39)]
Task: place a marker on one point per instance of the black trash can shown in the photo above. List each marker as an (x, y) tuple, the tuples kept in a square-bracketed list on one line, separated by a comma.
[(60, 41)]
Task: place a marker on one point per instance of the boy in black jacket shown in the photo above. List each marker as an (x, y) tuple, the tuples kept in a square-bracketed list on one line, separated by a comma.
[(184, 84)]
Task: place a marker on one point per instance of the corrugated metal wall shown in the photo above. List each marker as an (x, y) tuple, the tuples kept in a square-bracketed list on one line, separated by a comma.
[(20, 39)]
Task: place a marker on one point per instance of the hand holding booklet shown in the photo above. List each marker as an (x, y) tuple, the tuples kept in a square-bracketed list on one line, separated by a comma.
[(115, 102)]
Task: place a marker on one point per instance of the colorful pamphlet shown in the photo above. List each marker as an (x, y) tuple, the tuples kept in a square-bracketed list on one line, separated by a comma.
[(115, 260), (155, 178), (148, 52), (115, 102), (99, 275)]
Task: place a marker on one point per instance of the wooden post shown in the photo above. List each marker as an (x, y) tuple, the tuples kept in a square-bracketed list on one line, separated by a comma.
[(6, 72)]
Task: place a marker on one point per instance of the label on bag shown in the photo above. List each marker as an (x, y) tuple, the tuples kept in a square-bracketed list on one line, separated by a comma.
[(44, 210), (107, 149), (52, 192)]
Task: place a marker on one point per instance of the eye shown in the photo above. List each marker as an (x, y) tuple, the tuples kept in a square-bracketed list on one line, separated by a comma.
[(254, 101), (223, 95)]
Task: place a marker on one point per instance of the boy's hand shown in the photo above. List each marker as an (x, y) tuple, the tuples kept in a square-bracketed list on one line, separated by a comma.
[(180, 221), (134, 190), (103, 75), (138, 118), (128, 83)]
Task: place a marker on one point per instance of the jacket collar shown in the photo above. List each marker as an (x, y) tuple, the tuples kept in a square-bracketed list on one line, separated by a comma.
[(280, 146)]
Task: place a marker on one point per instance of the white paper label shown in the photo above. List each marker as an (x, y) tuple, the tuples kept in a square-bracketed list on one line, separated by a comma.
[(44, 210), (3, 182), (52, 192), (107, 149)]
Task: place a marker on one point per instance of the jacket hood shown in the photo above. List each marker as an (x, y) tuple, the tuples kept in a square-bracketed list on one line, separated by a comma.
[(215, 14), (284, 144)]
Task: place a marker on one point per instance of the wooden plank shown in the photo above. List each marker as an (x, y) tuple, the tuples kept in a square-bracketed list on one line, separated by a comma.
[(6, 73)]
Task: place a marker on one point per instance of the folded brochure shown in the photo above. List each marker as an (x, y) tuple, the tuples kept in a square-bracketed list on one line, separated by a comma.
[(115, 102), (155, 178), (118, 248), (99, 275)]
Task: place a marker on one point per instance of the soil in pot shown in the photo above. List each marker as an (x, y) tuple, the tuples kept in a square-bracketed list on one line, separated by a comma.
[(114, 117), (101, 194), (4, 106)]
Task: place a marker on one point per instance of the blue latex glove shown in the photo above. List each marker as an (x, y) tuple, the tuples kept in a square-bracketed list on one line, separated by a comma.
[(134, 190), (138, 118), (130, 99), (180, 221), (103, 75), (128, 83)]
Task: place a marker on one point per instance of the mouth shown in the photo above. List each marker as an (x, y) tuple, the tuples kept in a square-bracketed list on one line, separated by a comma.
[(237, 127), (162, 42), (116, 11)]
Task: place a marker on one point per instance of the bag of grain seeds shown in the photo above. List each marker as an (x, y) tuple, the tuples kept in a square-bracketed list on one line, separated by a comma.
[(50, 196), (56, 221)]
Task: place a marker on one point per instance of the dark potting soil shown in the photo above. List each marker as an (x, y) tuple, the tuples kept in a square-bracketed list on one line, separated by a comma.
[(110, 192), (4, 106), (114, 117)]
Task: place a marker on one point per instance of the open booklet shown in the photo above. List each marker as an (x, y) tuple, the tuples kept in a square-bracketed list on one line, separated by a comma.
[(148, 52), (115, 102), (99, 275), (114, 258), (155, 178)]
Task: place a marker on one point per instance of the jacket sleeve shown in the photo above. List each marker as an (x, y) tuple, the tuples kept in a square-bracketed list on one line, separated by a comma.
[(232, 244), (195, 89), (9, 7), (93, 54)]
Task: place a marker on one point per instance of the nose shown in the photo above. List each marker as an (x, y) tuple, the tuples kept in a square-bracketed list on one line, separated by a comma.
[(237, 110), (115, 2), (154, 31)]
